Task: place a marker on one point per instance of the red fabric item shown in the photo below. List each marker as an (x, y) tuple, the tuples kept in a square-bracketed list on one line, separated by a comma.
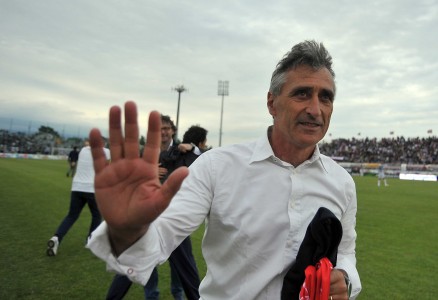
[(309, 286), (316, 286)]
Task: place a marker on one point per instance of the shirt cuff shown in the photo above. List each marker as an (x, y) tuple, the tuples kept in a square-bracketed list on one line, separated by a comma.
[(353, 275), (136, 262)]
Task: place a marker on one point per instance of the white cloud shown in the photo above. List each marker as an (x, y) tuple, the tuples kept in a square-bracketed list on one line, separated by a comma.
[(67, 62)]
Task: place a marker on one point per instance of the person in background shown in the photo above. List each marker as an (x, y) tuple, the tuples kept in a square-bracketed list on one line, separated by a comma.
[(184, 272), (381, 175), (257, 198), (195, 136), (82, 192), (72, 161)]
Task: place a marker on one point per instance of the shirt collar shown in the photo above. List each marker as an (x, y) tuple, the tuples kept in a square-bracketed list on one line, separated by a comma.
[(263, 151), (170, 145)]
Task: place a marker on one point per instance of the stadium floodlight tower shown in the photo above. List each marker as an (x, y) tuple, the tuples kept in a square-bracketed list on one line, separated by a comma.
[(222, 90), (180, 89)]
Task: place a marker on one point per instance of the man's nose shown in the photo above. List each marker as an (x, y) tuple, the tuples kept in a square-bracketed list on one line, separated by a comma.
[(313, 107)]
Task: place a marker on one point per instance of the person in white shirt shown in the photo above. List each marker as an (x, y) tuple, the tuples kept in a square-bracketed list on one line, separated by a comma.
[(82, 193), (256, 198), (381, 175)]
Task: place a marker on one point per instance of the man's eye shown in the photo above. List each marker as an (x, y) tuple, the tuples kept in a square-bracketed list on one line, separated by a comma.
[(302, 93), (326, 98)]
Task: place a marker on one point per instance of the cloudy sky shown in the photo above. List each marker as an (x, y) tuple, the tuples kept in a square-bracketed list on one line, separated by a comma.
[(64, 63)]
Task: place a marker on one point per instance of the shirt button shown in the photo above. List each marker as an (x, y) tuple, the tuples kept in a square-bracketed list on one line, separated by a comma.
[(289, 244), (130, 271)]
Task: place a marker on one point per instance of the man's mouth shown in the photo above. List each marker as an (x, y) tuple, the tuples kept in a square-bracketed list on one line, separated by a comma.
[(310, 124)]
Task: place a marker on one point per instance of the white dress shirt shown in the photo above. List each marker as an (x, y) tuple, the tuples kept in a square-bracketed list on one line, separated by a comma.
[(256, 210), (83, 181)]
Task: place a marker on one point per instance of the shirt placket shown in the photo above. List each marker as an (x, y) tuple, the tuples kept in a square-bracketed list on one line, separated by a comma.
[(294, 213)]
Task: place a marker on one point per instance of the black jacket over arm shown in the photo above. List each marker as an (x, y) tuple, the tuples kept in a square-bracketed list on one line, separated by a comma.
[(322, 239)]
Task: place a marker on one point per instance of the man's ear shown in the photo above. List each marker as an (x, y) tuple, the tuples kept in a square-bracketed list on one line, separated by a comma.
[(270, 104)]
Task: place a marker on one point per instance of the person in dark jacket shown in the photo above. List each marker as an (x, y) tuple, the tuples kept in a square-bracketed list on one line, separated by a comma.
[(184, 272), (72, 159)]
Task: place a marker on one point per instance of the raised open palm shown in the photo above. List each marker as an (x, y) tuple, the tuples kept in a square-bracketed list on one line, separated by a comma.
[(128, 190)]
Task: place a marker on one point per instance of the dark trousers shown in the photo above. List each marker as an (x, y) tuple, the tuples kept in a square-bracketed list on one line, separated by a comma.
[(72, 170), (151, 291), (77, 203), (181, 260)]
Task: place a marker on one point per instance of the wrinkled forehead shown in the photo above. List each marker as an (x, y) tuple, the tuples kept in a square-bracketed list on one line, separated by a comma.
[(308, 75)]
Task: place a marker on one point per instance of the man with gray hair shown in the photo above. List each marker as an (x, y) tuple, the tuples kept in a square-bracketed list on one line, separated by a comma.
[(257, 198)]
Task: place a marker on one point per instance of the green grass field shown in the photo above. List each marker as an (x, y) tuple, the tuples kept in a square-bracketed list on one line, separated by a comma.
[(396, 248)]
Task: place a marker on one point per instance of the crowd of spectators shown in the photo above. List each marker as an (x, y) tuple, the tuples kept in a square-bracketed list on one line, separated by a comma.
[(37, 143), (386, 150)]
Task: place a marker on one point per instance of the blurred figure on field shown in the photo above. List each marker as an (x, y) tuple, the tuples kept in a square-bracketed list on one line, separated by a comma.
[(82, 192), (381, 175), (183, 269), (72, 161)]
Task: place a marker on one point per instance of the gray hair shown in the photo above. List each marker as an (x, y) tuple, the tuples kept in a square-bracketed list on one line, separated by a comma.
[(308, 53)]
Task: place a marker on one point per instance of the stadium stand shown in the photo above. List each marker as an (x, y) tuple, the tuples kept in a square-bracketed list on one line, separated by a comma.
[(358, 156)]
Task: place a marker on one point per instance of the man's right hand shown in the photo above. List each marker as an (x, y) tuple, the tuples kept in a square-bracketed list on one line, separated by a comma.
[(162, 172), (128, 190)]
